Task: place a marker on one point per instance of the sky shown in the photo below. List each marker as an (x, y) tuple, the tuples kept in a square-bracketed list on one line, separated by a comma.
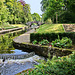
[(35, 6)]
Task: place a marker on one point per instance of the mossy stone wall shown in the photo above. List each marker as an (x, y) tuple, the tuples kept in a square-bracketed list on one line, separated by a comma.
[(43, 50)]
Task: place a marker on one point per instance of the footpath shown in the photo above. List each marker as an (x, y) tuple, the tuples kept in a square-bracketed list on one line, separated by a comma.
[(24, 37)]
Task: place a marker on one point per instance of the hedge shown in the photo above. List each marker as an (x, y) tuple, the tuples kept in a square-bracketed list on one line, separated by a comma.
[(51, 36)]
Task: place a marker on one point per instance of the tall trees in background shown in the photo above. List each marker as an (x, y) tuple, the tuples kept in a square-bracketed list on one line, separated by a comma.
[(57, 10), (14, 11), (36, 17), (3, 12), (68, 15)]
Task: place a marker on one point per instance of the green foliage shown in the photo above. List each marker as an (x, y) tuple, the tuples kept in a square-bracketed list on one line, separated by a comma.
[(34, 42), (6, 41), (51, 8), (13, 11), (58, 10), (44, 42), (3, 13), (56, 66), (63, 43), (67, 17), (34, 24), (36, 17), (48, 21), (51, 36)]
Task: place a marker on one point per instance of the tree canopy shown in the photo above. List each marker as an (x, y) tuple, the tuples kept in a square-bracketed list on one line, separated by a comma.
[(57, 10), (14, 11), (36, 17)]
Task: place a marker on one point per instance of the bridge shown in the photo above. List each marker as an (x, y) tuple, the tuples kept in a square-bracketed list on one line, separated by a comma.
[(37, 22)]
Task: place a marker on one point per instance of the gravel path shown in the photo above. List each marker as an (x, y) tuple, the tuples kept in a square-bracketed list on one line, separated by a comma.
[(24, 37)]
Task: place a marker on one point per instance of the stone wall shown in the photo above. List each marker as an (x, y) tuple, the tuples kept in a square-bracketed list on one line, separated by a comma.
[(69, 27), (43, 50), (10, 30)]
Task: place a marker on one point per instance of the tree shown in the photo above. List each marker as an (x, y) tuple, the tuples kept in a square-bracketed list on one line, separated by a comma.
[(58, 8), (3, 13), (52, 8), (19, 11), (36, 17), (68, 15)]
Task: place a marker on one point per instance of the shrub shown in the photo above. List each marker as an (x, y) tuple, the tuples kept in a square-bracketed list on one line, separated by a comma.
[(44, 42), (60, 66), (34, 42), (48, 21), (34, 24), (51, 36), (63, 43)]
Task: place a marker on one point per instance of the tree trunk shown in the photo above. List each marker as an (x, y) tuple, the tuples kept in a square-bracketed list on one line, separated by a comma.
[(53, 19), (56, 18)]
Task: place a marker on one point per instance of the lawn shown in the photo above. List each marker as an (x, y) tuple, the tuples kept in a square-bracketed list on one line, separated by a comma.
[(51, 28), (19, 25), (11, 26)]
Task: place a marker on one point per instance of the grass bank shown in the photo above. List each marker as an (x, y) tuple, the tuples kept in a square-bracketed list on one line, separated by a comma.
[(51, 28), (11, 26)]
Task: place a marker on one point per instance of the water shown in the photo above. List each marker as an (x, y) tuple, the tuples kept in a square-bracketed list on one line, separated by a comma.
[(17, 51), (17, 54), (13, 66)]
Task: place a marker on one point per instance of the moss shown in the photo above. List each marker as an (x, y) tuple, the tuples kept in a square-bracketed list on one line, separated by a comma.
[(43, 50)]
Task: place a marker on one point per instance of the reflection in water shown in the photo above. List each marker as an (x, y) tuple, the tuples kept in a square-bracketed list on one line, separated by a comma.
[(18, 54), (6, 51), (16, 51)]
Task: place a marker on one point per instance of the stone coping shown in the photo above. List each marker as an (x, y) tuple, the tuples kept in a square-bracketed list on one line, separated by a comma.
[(9, 30), (43, 50)]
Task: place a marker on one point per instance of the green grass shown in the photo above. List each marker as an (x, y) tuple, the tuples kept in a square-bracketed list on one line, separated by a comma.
[(11, 26), (19, 25), (4, 26), (51, 28)]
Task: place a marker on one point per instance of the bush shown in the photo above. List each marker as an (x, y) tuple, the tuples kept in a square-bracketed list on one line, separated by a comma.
[(34, 42), (43, 42), (34, 23), (63, 43), (51, 36), (48, 21), (60, 66)]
